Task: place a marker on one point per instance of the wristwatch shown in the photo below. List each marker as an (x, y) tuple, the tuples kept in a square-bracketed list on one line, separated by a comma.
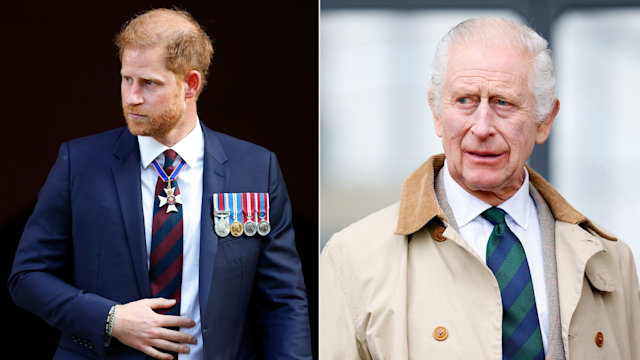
[(108, 327)]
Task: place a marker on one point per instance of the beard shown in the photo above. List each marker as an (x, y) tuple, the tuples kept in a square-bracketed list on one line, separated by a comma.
[(155, 123)]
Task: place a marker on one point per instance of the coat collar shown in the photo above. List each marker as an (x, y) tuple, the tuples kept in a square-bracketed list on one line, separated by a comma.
[(419, 204)]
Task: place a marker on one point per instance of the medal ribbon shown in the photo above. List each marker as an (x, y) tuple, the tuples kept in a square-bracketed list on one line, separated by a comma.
[(248, 206), (264, 206), (256, 204), (226, 202), (218, 202), (235, 206), (163, 175)]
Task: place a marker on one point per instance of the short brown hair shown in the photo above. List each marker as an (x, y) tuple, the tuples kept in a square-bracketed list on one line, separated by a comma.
[(187, 45)]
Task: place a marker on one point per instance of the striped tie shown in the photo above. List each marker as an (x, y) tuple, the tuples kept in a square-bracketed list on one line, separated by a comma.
[(165, 263), (521, 336)]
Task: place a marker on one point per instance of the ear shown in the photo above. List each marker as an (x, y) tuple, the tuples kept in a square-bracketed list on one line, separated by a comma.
[(544, 127), (437, 123), (193, 80)]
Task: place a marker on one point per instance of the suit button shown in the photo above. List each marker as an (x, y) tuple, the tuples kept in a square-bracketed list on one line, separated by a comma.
[(599, 339), (437, 234), (440, 333)]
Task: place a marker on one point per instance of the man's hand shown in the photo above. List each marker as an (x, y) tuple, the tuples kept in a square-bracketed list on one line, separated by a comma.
[(137, 325)]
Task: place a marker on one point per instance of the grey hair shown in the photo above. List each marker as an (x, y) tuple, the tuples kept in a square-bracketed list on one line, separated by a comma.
[(542, 82)]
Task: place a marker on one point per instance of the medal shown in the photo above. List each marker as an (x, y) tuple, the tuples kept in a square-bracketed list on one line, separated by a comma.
[(236, 225), (263, 225), (222, 228), (236, 228), (220, 205), (171, 198), (241, 213), (250, 227)]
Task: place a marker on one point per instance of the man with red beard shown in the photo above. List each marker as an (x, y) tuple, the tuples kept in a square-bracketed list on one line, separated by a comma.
[(178, 239)]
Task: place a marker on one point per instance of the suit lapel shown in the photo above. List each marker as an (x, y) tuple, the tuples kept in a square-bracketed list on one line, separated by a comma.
[(126, 174), (215, 177)]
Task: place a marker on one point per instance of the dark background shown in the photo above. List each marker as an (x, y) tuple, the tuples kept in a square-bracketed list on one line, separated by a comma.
[(61, 81)]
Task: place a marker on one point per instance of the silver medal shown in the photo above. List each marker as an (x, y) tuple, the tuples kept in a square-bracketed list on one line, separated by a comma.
[(264, 227), (222, 227), (250, 228)]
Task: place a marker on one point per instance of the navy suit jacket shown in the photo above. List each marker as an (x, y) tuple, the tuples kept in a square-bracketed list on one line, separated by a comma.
[(83, 250)]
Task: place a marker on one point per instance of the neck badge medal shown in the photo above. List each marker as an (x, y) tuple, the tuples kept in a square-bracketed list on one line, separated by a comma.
[(171, 199)]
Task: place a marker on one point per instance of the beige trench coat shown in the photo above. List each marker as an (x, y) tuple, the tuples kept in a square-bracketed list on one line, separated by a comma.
[(403, 284)]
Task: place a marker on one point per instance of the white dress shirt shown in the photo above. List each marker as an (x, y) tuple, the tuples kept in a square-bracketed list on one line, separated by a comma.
[(191, 149), (522, 219)]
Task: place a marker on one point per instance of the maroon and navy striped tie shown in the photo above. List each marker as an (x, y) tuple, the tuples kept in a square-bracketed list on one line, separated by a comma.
[(165, 263)]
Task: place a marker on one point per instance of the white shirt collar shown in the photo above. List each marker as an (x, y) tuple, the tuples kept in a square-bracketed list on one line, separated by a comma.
[(188, 148), (517, 206), (466, 207)]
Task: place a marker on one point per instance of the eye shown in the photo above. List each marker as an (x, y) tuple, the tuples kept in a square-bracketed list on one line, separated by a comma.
[(464, 100), (149, 82), (502, 102)]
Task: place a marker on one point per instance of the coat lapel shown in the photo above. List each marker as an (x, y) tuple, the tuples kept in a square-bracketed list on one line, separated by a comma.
[(574, 248), (555, 346), (126, 174), (215, 177)]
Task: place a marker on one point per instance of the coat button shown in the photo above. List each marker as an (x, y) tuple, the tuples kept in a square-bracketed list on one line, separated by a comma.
[(599, 339), (440, 333), (437, 234)]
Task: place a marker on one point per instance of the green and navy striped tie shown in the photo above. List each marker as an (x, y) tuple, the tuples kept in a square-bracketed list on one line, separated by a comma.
[(521, 336)]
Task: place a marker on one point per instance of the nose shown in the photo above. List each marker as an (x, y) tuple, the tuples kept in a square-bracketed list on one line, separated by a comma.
[(132, 94), (483, 120)]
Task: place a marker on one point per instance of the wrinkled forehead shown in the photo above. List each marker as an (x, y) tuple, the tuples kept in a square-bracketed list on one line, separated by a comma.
[(489, 59)]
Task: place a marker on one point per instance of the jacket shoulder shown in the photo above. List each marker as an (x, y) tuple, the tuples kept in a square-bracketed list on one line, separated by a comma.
[(374, 230), (607, 268), (104, 139), (619, 251), (368, 243), (232, 144), (97, 150)]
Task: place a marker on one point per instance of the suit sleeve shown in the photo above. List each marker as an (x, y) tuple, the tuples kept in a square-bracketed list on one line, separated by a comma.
[(41, 277), (282, 299)]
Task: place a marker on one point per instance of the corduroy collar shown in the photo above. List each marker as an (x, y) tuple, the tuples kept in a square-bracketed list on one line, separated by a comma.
[(419, 204)]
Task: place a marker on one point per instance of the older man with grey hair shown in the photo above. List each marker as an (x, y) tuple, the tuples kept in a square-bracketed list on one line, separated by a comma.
[(481, 258)]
